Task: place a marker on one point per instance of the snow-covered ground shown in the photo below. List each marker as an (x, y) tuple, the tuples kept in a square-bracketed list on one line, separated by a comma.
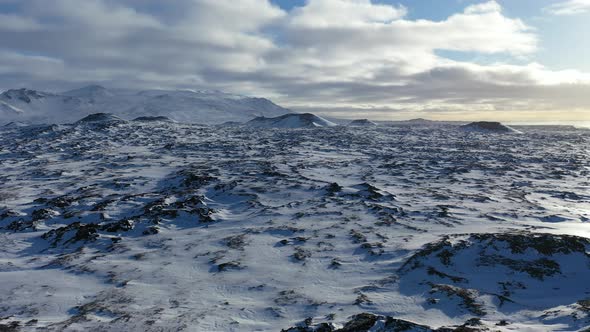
[(166, 226)]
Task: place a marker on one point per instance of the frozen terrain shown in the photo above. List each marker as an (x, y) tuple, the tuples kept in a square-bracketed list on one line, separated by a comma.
[(209, 107), (109, 224)]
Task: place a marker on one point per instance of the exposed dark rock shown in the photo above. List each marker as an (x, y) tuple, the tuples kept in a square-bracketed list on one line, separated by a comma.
[(119, 226), (61, 202), (486, 126), (236, 242), (370, 191), (159, 209), (152, 230), (7, 213), (72, 233), (584, 305), (43, 214), (546, 244), (362, 299), (10, 327), (294, 120), (152, 119), (101, 118), (196, 179), (365, 322), (333, 188), (539, 268), (100, 206), (468, 297), (357, 236), (229, 266), (301, 254), (432, 271), (360, 322), (21, 225)]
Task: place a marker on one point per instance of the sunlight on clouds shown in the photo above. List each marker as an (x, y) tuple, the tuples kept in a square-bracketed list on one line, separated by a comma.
[(344, 13), (352, 53)]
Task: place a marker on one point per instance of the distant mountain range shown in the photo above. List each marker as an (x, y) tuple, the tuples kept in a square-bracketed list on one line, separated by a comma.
[(207, 107)]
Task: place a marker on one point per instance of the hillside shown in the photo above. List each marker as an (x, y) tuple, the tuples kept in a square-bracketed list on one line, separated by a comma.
[(295, 120)]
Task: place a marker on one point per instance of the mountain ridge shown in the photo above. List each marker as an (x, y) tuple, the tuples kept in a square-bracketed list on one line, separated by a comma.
[(196, 106)]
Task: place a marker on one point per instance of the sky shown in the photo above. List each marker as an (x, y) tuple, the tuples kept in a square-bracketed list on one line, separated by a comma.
[(512, 60)]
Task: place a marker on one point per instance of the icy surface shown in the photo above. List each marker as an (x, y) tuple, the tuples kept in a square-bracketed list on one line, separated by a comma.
[(159, 225)]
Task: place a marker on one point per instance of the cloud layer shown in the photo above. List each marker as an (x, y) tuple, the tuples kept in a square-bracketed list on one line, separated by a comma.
[(570, 7), (334, 54)]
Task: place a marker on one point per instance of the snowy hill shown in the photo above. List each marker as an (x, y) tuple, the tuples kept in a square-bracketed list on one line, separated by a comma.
[(488, 127), (296, 120), (207, 107), (362, 123), (418, 121), (153, 119), (100, 119)]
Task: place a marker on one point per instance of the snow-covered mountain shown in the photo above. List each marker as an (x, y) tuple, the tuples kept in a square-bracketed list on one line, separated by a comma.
[(207, 107), (295, 120), (91, 91)]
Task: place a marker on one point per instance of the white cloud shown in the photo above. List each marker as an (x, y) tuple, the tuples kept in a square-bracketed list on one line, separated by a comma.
[(483, 8), (570, 7), (12, 62), (386, 52), (342, 13)]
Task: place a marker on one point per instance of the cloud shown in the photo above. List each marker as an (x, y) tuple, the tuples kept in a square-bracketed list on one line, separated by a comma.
[(339, 50), (570, 7), (339, 13), (345, 54), (12, 64), (17, 23)]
